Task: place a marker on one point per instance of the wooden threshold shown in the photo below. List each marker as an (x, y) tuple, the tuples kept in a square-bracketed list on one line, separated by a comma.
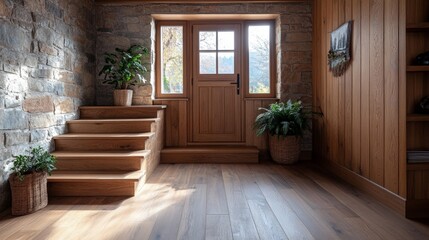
[(210, 154)]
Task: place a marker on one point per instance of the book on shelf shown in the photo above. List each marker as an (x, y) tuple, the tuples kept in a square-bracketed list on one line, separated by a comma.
[(418, 156)]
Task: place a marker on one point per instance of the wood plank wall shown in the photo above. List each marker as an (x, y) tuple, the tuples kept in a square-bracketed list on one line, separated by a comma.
[(362, 123)]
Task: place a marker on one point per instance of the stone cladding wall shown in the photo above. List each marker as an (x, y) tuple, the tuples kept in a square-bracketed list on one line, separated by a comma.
[(47, 69)]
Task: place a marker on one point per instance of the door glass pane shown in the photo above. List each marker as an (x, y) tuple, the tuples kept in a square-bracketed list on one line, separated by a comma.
[(207, 62), (226, 63), (171, 59), (259, 59), (207, 40), (226, 40)]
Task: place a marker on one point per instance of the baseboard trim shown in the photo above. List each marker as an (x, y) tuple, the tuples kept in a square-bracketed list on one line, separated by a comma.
[(386, 197)]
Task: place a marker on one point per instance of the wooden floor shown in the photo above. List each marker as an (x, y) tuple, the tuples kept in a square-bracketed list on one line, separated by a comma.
[(191, 201)]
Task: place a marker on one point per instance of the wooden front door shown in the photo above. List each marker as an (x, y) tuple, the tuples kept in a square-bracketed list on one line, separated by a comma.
[(216, 90)]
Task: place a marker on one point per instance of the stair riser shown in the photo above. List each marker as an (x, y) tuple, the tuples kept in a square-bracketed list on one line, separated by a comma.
[(92, 189), (120, 113), (124, 127), (209, 158), (99, 164), (100, 144)]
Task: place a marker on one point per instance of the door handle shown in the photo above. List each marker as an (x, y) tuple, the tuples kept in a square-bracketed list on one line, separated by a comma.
[(237, 83)]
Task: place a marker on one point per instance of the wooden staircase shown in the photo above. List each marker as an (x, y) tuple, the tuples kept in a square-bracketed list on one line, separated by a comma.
[(108, 152)]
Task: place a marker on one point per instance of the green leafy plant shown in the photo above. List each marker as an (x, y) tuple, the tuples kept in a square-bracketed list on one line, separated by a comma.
[(123, 68), (282, 119), (39, 160)]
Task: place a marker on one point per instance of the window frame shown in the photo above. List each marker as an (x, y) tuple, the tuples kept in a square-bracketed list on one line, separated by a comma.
[(187, 53), (273, 62), (158, 88)]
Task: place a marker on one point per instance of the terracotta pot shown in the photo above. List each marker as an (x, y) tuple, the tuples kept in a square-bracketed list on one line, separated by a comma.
[(285, 150), (122, 97)]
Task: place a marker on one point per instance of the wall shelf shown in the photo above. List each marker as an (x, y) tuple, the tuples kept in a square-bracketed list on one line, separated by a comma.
[(417, 166), (418, 27), (411, 68), (418, 118)]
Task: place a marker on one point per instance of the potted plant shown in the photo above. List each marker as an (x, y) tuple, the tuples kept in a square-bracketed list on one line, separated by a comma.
[(28, 181), (123, 69), (285, 123)]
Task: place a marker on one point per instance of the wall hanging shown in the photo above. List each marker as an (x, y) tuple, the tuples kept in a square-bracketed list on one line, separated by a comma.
[(339, 55)]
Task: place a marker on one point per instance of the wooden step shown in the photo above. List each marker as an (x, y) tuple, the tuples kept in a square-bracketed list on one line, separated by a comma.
[(103, 142), (119, 112), (111, 125), (100, 161), (73, 183), (210, 154)]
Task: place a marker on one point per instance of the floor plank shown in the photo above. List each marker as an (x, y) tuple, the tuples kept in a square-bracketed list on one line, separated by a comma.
[(197, 201), (218, 227)]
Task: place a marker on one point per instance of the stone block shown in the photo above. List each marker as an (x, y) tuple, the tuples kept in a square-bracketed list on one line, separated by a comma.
[(38, 135), (142, 95), (43, 73), (35, 5), (296, 57), (19, 85), (297, 37), (47, 49), (10, 68), (13, 119), (42, 120), (22, 15), (30, 61), (12, 101), (45, 35), (58, 88), (131, 19), (53, 8), (71, 90), (63, 105), (41, 86), (66, 76), (6, 11), (298, 46), (5, 154), (13, 37), (16, 137), (60, 120), (38, 104), (54, 62)]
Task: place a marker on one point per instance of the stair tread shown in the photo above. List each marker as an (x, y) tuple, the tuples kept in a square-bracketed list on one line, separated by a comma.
[(113, 120), (126, 107), (212, 149), (103, 136), (65, 154), (80, 176)]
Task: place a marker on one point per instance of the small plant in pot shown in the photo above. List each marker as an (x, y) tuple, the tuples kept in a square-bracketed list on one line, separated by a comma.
[(285, 124), (124, 69), (28, 181)]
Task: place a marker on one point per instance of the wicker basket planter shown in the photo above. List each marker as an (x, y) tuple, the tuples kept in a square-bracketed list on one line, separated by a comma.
[(285, 150), (30, 194)]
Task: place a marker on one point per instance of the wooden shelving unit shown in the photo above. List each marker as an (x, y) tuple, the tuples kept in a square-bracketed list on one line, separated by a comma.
[(417, 87)]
